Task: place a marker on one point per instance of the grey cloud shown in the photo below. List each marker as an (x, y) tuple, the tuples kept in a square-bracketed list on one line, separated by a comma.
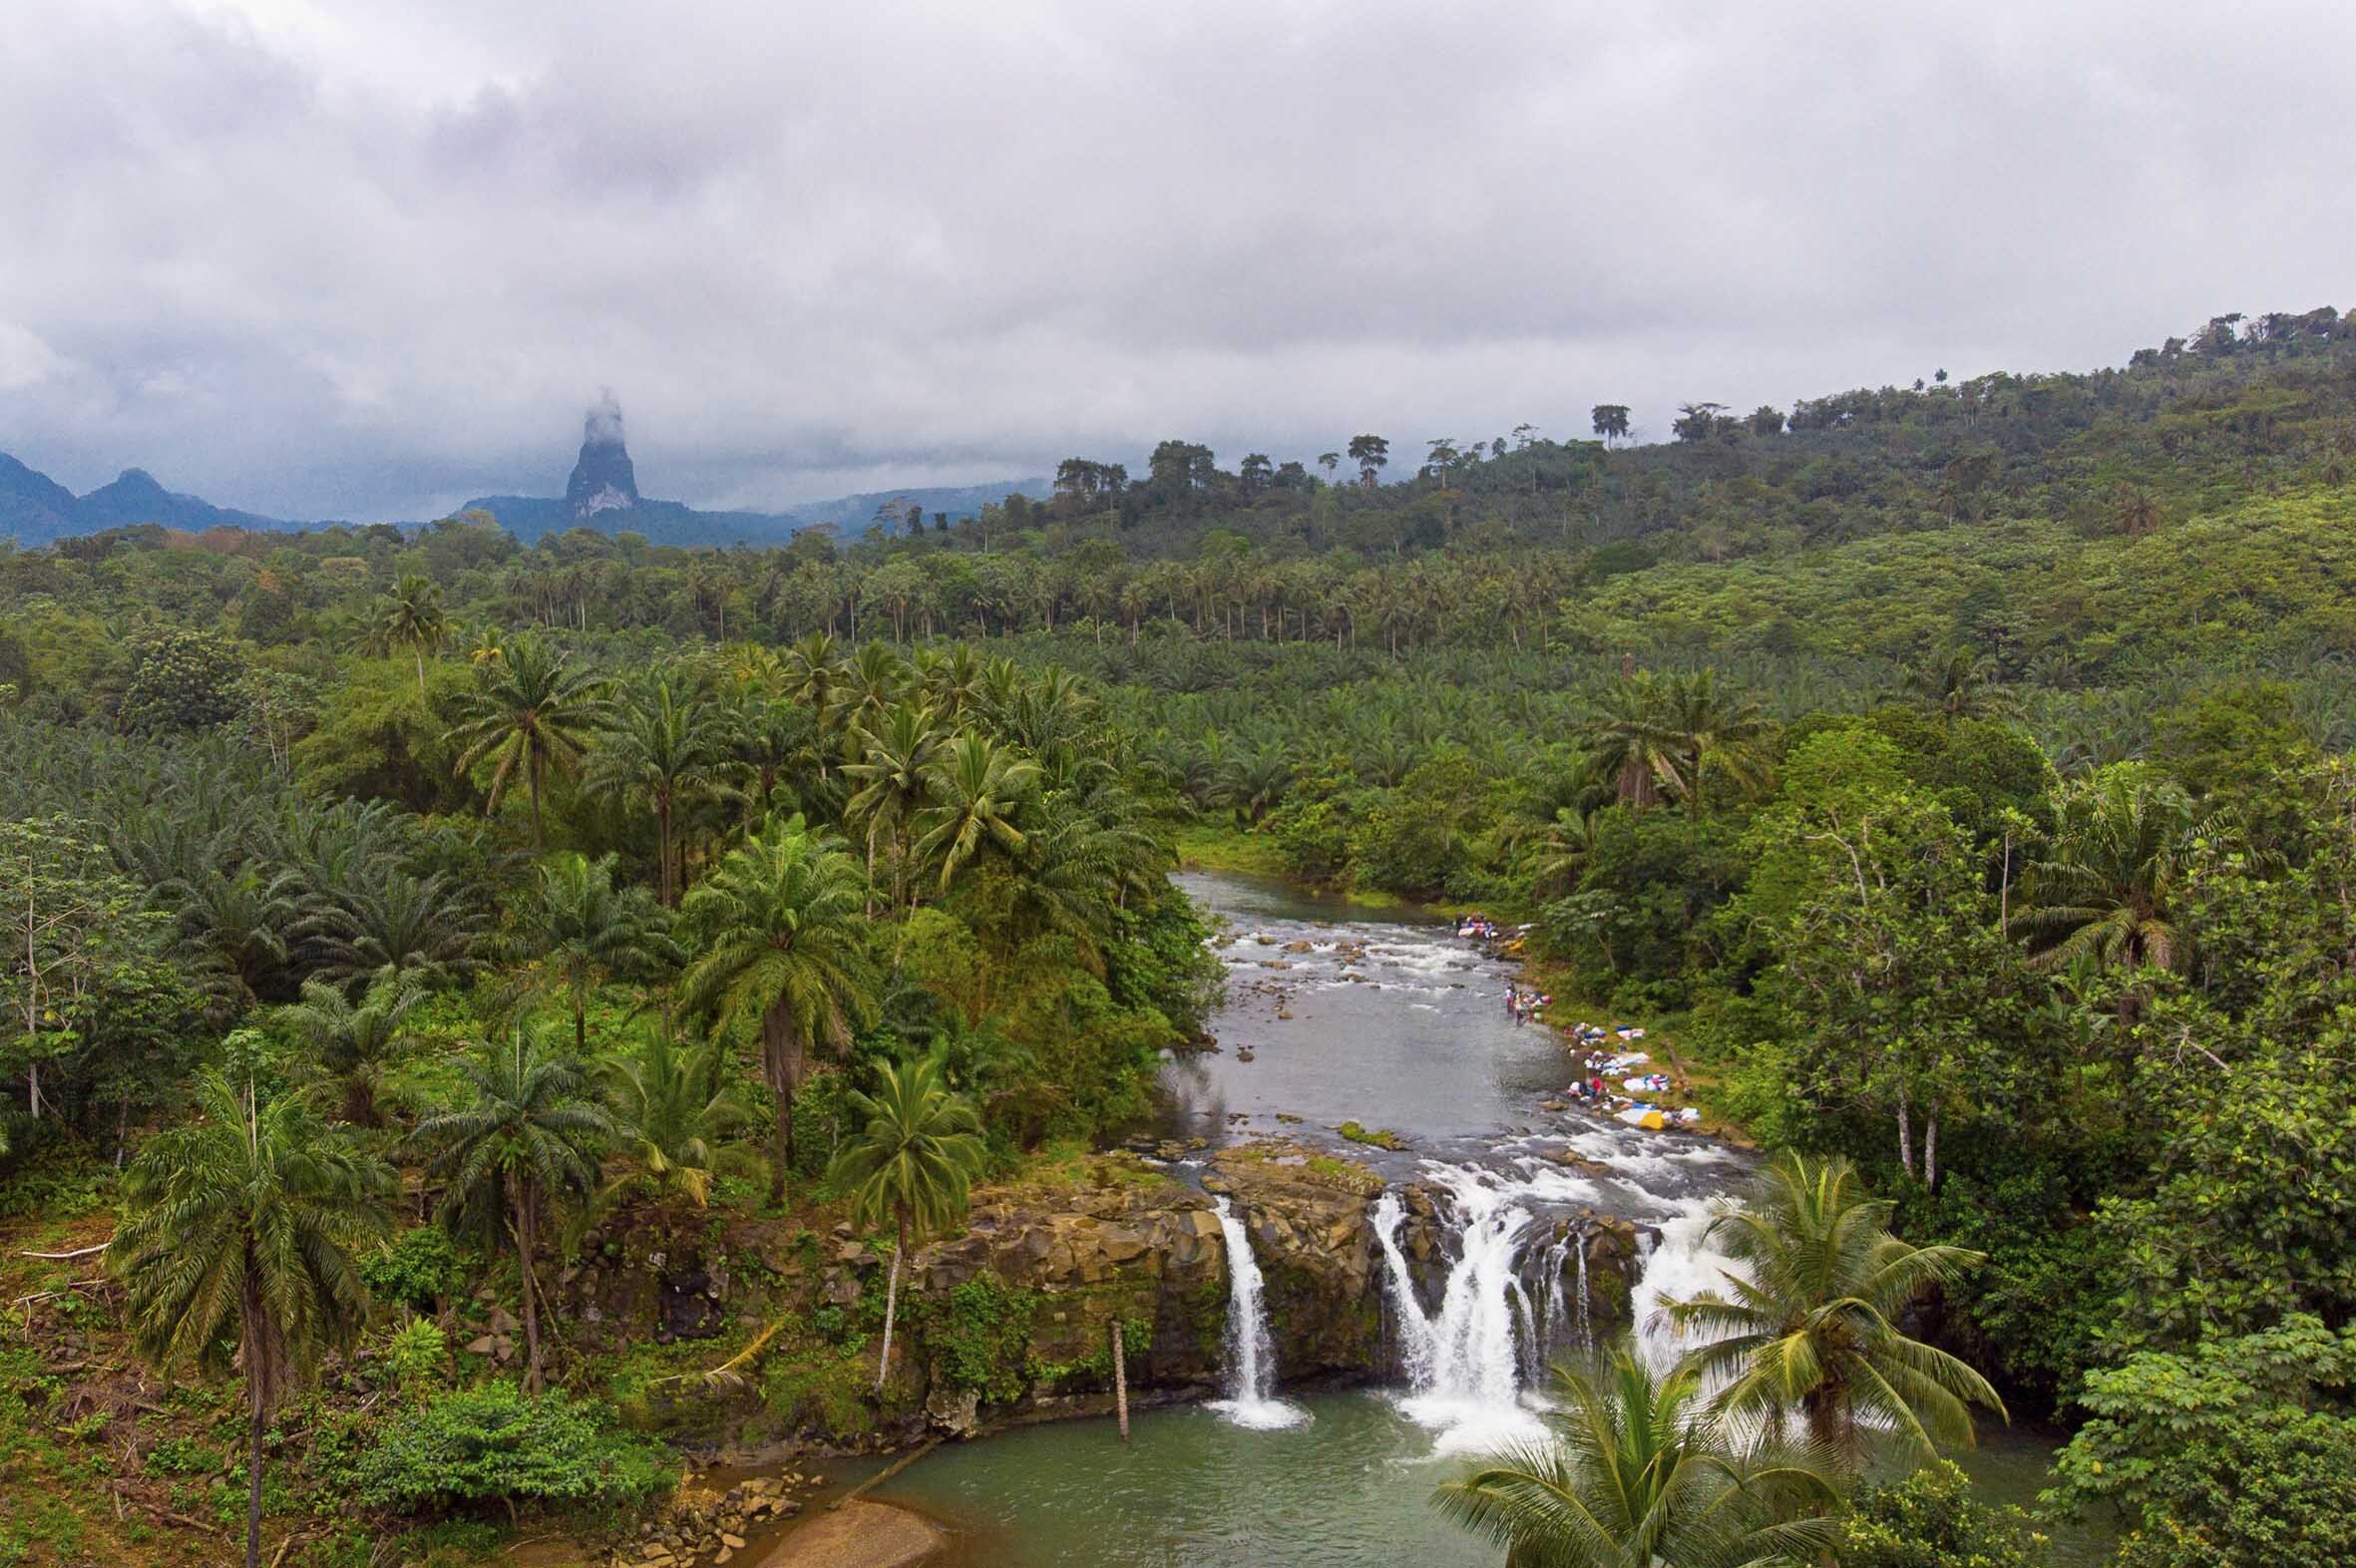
[(366, 261)]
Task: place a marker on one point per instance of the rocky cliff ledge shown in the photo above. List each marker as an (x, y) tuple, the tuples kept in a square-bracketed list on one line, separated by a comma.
[(1014, 1319)]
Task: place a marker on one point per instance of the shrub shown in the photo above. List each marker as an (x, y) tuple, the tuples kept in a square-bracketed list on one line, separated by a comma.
[(1931, 1520), (416, 1270), (493, 1443)]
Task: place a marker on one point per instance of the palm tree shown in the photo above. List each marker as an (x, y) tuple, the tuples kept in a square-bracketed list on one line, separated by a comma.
[(975, 785), (1960, 685), (1641, 1474), (2107, 882), (1811, 1325), (586, 930), (673, 1108), (1716, 734), (785, 935), (913, 1161), (532, 713), (350, 1045), (893, 774), (663, 751), (526, 1144), (1563, 849), (410, 615), (248, 1217), (1628, 743), (386, 921)]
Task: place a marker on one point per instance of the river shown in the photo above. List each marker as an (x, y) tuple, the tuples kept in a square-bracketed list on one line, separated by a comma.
[(1336, 1013)]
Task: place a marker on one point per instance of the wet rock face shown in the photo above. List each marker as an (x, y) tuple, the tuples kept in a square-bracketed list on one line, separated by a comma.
[(1309, 1224)]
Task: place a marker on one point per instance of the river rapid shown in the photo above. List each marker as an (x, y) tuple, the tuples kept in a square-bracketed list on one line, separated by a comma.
[(1334, 1014)]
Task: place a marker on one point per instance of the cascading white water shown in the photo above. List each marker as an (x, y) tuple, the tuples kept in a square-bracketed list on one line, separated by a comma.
[(1462, 1362), (1250, 1354), (1586, 1313), (1684, 1263)]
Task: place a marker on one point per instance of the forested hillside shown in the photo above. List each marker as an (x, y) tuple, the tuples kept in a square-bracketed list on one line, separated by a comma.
[(1957, 775)]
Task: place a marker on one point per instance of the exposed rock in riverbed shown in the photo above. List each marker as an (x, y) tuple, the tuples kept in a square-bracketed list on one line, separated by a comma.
[(860, 1534)]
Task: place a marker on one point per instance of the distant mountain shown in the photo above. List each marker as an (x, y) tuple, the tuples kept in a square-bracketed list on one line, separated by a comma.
[(601, 494), (35, 508)]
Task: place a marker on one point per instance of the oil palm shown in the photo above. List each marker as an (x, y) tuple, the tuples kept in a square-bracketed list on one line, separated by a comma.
[(1639, 1473), (586, 930), (1718, 735), (527, 1143), (784, 936), (1960, 685), (349, 1045), (529, 713), (1810, 1326), (975, 786), (1628, 742), (663, 753), (675, 1110), (912, 1162), (239, 1237)]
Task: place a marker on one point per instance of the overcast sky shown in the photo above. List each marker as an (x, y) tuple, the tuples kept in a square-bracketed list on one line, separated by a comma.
[(366, 259)]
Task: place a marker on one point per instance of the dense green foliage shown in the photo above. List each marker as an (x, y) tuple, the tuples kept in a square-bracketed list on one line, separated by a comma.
[(498, 1444), (1956, 775)]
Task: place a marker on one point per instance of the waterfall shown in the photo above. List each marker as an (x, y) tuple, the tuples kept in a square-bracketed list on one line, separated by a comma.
[(1683, 1262), (1586, 1314), (1250, 1354), (1463, 1362)]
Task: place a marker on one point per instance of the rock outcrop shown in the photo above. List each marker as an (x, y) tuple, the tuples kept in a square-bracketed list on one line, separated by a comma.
[(1013, 1320)]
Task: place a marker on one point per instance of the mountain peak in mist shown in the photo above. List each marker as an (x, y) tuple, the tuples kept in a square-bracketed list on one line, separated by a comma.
[(603, 478)]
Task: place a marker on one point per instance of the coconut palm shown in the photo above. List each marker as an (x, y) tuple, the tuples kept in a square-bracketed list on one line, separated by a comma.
[(663, 752), (1810, 1326), (675, 1110), (783, 926), (1641, 1474), (349, 1045), (975, 785), (532, 713), (893, 778), (586, 930), (410, 615), (238, 1239), (525, 1146), (2107, 883), (912, 1162)]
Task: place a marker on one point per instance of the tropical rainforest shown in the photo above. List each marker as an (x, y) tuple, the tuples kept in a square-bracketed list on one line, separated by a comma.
[(1956, 773)]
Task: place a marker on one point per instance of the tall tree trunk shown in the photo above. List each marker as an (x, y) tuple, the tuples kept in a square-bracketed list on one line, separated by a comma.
[(1905, 1136), (419, 650), (892, 1300), (527, 1242), (532, 777), (252, 1474), (257, 1397), (777, 1058), (1931, 1152), (663, 849)]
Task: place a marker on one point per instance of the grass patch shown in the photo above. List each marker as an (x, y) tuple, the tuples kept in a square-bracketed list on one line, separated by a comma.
[(1215, 846), (1378, 1137)]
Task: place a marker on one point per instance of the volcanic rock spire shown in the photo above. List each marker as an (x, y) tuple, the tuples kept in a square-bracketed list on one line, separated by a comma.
[(602, 480)]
